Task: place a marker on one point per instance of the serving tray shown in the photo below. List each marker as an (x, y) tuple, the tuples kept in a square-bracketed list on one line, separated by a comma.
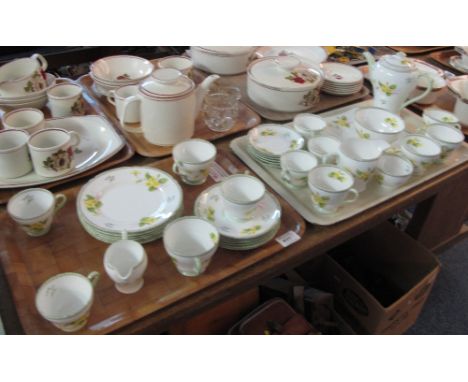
[(443, 58), (28, 262), (300, 198), (247, 119), (412, 50)]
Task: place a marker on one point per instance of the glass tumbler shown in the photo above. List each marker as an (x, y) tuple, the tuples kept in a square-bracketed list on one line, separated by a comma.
[(220, 111)]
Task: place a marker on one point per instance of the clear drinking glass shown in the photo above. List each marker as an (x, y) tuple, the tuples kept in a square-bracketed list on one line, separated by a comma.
[(221, 110)]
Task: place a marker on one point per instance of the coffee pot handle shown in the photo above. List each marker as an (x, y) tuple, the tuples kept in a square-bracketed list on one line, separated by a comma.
[(126, 104), (430, 82)]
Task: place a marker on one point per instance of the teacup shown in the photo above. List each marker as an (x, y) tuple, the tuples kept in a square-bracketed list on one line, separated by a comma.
[(125, 261), (439, 116), (34, 209), (14, 155), (325, 148), (66, 99), (448, 137), (183, 64), (27, 119), (461, 111), (52, 151), (309, 125), (421, 151), (193, 159), (191, 243), (295, 165), (377, 123), (331, 187), (66, 299), (241, 195), (23, 76), (393, 171), (117, 98)]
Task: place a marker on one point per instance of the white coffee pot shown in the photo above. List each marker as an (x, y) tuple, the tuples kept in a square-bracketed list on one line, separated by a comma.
[(394, 78), (169, 104)]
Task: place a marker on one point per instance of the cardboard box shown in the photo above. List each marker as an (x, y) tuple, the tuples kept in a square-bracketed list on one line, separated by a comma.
[(382, 278)]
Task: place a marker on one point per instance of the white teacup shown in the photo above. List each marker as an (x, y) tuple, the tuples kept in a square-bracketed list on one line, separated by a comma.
[(377, 123), (52, 151), (448, 137), (27, 119), (461, 110), (325, 148), (66, 99), (241, 195), (183, 64), (309, 125), (193, 159), (393, 171), (295, 165), (191, 243), (14, 155), (34, 209), (117, 98), (125, 261), (439, 116), (421, 151), (66, 299), (331, 187)]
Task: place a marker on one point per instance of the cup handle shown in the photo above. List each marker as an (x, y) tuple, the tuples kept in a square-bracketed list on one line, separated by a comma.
[(94, 277), (41, 59), (126, 103), (175, 169), (60, 200), (457, 126), (75, 138), (354, 196), (328, 158), (110, 97)]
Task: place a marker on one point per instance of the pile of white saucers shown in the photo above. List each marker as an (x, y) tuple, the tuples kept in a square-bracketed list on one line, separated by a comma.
[(113, 72), (240, 235), (37, 99), (137, 202), (341, 79), (268, 142)]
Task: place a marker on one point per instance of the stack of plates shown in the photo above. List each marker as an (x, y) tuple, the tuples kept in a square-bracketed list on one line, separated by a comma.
[(235, 234), (341, 79), (269, 141), (140, 201)]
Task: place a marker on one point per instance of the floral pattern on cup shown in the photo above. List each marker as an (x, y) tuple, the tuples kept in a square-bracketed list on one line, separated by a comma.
[(61, 160), (36, 83), (78, 107), (387, 88), (362, 134), (320, 200), (338, 175), (414, 142), (36, 228), (214, 237), (92, 204)]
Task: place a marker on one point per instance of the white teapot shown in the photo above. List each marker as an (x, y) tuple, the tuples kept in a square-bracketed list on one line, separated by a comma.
[(169, 104), (394, 78)]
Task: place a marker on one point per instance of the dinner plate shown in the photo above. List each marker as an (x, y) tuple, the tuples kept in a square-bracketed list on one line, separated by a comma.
[(274, 140), (209, 205), (98, 142), (132, 199)]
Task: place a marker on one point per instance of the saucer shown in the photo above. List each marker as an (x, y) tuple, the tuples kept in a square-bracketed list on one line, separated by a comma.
[(455, 61)]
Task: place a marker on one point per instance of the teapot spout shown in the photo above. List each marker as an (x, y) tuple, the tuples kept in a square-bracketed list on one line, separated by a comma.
[(203, 89), (370, 61)]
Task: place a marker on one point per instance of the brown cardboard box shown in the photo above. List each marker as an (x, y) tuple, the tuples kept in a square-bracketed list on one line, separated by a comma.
[(382, 278)]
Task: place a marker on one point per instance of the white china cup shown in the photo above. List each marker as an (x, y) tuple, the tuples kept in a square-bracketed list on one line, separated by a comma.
[(241, 195), (331, 187), (324, 147), (421, 151), (309, 125), (27, 119), (439, 116), (66, 299), (393, 171), (14, 155), (377, 123), (34, 209), (52, 151), (193, 159), (461, 111), (125, 261), (183, 64), (191, 242), (295, 165), (66, 99), (448, 137), (117, 98)]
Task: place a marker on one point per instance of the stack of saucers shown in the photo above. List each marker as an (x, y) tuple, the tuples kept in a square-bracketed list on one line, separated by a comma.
[(341, 79), (268, 142), (134, 201), (240, 235)]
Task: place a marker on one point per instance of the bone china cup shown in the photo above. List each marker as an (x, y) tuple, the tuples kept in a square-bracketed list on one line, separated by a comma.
[(448, 137), (439, 116), (295, 165), (52, 151), (34, 209), (65, 99), (66, 299), (393, 171), (191, 242), (241, 195), (183, 64), (325, 148), (421, 151), (118, 97), (193, 159), (14, 156), (330, 188), (376, 123), (27, 119), (309, 125)]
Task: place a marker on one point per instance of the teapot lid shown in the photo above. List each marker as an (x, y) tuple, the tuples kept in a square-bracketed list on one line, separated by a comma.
[(284, 73), (398, 62), (167, 83)]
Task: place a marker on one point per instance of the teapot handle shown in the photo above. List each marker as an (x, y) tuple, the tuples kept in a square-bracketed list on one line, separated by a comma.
[(430, 82), (126, 104)]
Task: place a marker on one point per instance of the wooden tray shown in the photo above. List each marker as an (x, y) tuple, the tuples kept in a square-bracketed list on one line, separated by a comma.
[(91, 108), (443, 58), (410, 50), (247, 119), (28, 262)]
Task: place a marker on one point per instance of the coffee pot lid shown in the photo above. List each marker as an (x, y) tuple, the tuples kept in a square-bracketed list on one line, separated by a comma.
[(398, 62)]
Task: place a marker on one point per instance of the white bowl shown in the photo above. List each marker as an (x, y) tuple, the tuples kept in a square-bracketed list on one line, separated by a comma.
[(376, 123), (121, 69)]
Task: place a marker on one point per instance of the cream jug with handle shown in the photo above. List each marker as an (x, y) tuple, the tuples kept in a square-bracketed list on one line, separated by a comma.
[(394, 77), (169, 104)]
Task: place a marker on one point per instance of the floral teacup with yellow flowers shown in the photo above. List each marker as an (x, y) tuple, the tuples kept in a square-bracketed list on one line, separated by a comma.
[(34, 209)]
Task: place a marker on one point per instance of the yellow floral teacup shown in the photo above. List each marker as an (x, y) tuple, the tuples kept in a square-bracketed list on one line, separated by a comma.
[(34, 209)]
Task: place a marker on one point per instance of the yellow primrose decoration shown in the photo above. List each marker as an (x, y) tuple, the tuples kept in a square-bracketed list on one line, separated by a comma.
[(153, 183), (92, 204), (387, 88)]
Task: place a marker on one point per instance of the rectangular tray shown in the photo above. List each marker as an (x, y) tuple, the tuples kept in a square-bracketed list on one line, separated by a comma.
[(443, 58), (300, 198), (247, 119), (28, 262), (412, 50)]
